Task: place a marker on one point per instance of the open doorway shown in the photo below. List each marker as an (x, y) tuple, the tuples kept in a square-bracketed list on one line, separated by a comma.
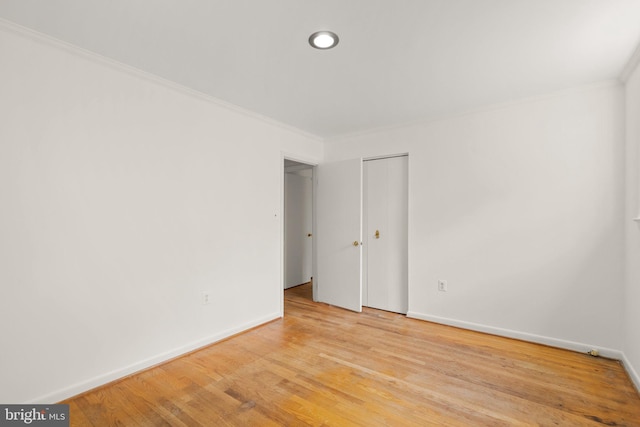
[(298, 227)]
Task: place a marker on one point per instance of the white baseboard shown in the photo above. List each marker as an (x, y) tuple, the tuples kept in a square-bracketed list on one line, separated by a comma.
[(108, 377), (539, 339), (632, 372)]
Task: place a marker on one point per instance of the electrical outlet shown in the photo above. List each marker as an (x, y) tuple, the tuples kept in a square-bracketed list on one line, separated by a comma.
[(206, 297), (442, 285)]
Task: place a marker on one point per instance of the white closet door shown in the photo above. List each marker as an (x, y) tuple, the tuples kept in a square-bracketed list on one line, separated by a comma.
[(339, 233), (386, 243)]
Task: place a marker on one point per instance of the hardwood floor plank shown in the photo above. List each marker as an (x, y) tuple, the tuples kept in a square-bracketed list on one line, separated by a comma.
[(324, 366)]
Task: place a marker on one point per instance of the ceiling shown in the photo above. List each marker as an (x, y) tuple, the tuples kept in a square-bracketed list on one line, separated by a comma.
[(397, 61)]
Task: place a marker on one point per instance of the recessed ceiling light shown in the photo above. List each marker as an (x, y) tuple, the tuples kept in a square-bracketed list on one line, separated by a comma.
[(323, 40)]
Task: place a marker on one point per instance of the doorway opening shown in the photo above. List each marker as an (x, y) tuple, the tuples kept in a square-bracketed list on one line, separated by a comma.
[(298, 227)]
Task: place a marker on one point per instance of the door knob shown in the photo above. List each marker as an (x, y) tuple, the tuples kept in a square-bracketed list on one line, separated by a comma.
[(377, 234), (355, 243), (309, 235)]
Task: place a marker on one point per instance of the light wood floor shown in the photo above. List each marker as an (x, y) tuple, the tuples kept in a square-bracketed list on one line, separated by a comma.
[(323, 366)]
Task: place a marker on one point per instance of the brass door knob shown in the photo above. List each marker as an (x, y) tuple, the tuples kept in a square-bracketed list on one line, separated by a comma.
[(377, 234), (355, 243)]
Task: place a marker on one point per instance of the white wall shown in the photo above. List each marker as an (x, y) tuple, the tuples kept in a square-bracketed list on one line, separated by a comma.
[(117, 211), (632, 290), (120, 203), (520, 209)]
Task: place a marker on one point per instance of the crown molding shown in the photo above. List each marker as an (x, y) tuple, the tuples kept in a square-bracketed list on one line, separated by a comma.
[(78, 51), (427, 120)]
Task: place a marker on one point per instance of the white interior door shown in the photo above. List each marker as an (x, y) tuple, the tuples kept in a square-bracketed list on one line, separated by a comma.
[(339, 233), (307, 260), (297, 228), (385, 238)]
